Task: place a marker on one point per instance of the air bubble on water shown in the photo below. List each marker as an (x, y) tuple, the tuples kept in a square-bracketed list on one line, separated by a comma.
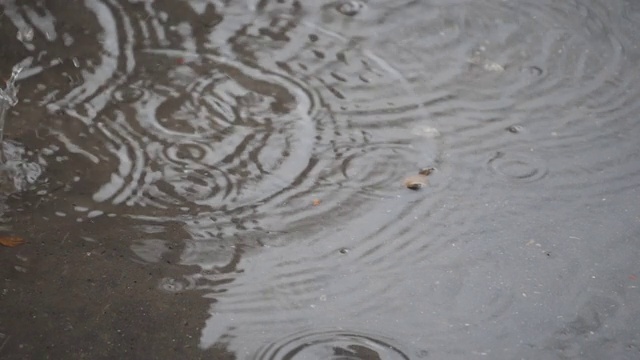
[(171, 285), (67, 39), (349, 8)]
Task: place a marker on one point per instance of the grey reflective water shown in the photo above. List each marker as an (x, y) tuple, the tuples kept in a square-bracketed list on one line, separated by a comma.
[(225, 180)]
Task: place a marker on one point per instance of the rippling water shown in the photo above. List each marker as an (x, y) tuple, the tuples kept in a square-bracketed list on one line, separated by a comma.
[(252, 154)]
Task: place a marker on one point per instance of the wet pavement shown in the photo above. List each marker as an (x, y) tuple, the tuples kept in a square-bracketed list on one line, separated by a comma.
[(228, 180)]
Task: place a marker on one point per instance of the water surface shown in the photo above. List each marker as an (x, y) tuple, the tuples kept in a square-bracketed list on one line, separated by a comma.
[(217, 179)]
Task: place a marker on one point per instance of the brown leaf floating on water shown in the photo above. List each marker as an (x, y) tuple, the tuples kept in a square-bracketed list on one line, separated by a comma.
[(416, 182), (11, 241), (316, 202)]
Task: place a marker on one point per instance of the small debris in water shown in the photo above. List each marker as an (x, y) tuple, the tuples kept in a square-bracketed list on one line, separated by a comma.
[(515, 129), (11, 241), (416, 182), (426, 171), (344, 251), (316, 202)]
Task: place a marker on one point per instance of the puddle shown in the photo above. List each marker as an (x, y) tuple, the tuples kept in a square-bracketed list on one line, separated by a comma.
[(228, 179)]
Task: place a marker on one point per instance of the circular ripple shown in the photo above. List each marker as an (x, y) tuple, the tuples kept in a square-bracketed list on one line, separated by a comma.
[(331, 344), (378, 169), (575, 82), (214, 134), (547, 71), (233, 117), (128, 95), (516, 167), (250, 125), (211, 96)]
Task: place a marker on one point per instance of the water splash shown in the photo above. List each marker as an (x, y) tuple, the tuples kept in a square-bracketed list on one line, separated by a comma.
[(8, 97), (16, 174)]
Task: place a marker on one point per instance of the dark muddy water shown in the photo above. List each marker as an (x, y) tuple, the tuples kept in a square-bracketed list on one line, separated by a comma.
[(225, 179)]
